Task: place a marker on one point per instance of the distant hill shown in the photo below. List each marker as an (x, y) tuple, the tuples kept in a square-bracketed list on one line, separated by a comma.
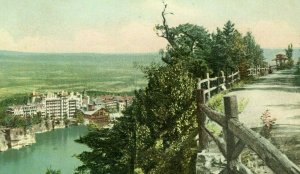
[(269, 54)]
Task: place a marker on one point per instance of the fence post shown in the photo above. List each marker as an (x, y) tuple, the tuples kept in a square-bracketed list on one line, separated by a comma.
[(208, 85), (231, 112), (224, 79), (232, 79), (199, 83), (201, 117), (218, 84)]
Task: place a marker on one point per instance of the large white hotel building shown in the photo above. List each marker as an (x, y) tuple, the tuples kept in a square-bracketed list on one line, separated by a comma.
[(52, 104)]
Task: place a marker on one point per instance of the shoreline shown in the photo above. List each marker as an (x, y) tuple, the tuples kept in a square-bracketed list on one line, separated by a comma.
[(16, 138)]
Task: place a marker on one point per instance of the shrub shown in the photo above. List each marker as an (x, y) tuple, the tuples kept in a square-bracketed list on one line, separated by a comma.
[(52, 171), (268, 123)]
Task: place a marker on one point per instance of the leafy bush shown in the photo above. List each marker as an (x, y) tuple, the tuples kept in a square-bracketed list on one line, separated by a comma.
[(78, 115), (214, 128), (52, 171), (216, 102), (242, 104)]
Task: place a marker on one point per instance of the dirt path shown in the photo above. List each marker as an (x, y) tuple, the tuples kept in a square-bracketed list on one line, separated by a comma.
[(278, 92)]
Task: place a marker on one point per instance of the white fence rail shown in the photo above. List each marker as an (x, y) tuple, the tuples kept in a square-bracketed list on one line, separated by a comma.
[(210, 84), (257, 71)]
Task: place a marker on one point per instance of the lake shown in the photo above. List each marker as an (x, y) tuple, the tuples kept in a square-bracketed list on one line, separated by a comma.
[(53, 149)]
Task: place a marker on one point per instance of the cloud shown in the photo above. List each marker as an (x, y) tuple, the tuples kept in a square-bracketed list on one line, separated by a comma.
[(272, 34), (137, 37), (6, 41), (136, 34), (133, 37)]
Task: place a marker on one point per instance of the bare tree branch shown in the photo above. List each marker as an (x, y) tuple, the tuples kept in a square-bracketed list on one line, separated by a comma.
[(167, 35)]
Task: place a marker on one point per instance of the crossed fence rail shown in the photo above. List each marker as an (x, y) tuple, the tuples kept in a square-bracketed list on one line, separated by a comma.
[(237, 137)]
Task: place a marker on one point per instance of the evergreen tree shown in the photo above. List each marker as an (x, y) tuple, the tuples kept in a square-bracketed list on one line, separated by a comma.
[(189, 44), (227, 49), (165, 113), (289, 51), (111, 149), (254, 55), (289, 55)]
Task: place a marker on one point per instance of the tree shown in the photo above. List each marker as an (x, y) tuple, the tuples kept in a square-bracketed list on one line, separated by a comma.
[(289, 55), (189, 44), (228, 49), (289, 51), (231, 51), (200, 52), (66, 120), (165, 118), (36, 119), (79, 116), (111, 149), (253, 55)]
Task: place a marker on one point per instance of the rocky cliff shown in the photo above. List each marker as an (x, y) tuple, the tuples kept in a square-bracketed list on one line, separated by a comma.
[(3, 141), (18, 137)]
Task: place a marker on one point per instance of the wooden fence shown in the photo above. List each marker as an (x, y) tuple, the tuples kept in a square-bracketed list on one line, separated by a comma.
[(211, 84), (236, 137), (257, 71)]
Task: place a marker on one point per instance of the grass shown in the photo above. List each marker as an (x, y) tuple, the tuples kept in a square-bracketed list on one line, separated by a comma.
[(21, 73), (216, 103), (297, 72)]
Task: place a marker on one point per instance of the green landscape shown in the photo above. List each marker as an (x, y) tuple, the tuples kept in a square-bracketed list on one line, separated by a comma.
[(21, 73)]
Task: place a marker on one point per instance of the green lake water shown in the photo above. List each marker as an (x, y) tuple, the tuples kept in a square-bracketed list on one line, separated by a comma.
[(53, 149)]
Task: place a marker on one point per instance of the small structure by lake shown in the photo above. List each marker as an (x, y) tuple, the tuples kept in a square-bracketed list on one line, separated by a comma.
[(280, 59)]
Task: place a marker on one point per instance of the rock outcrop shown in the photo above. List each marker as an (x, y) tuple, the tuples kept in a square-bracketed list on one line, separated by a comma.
[(18, 137), (3, 141), (209, 162), (40, 128)]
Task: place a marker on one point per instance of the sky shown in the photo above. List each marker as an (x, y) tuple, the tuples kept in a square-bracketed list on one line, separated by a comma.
[(127, 26)]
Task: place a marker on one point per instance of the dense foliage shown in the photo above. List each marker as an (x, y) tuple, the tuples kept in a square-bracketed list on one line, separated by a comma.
[(7, 120), (166, 120), (203, 52), (289, 55), (111, 149), (13, 100), (78, 115), (20, 122)]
